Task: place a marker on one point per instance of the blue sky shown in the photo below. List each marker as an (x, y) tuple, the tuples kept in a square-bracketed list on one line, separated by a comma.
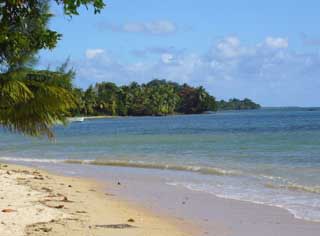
[(265, 50)]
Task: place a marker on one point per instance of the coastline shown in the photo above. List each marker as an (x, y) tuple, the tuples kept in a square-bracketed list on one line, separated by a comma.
[(37, 202), (212, 215), (99, 117), (164, 209)]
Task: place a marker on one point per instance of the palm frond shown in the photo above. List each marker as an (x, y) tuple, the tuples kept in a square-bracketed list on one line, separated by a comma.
[(47, 101)]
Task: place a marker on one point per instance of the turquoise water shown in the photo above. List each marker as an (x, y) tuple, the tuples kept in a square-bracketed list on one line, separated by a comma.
[(269, 156)]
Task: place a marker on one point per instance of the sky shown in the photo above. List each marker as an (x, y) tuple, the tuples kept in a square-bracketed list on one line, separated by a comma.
[(266, 50)]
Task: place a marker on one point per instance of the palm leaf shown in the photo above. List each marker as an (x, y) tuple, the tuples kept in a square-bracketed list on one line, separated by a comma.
[(47, 100)]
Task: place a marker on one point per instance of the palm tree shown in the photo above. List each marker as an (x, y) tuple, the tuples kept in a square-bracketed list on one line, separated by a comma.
[(31, 101)]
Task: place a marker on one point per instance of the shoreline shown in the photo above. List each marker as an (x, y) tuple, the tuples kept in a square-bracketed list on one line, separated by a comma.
[(166, 115), (176, 209), (211, 214), (184, 170), (38, 202)]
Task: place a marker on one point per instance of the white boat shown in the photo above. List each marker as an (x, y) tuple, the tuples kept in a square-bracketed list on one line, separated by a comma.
[(76, 119)]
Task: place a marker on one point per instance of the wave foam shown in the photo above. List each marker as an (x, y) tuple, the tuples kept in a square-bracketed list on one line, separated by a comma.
[(198, 169), (134, 164), (309, 213), (295, 187), (16, 159)]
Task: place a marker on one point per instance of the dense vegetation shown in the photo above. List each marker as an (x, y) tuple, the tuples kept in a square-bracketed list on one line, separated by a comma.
[(158, 97), (236, 104)]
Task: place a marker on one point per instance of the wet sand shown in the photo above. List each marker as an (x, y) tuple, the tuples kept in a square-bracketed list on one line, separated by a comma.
[(213, 216), (176, 209)]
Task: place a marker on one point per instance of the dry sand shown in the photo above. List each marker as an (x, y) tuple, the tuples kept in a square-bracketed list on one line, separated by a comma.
[(34, 202)]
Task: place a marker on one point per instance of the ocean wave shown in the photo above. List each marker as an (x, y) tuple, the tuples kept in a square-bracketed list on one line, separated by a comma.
[(287, 200), (17, 159), (134, 164), (270, 177), (74, 161), (198, 169), (295, 187)]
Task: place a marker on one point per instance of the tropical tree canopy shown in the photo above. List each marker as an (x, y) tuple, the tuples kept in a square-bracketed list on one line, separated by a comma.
[(31, 100), (157, 98), (236, 104)]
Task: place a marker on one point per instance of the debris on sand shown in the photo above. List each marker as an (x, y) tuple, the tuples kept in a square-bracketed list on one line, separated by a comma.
[(8, 210)]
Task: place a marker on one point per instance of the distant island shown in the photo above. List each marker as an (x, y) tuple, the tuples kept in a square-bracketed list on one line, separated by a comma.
[(156, 98), (236, 104)]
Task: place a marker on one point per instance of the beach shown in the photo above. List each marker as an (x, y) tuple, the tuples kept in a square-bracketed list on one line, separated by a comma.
[(231, 173), (159, 118), (35, 202), (133, 202)]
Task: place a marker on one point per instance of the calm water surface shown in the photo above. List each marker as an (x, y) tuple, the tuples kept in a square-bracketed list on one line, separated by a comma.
[(270, 156)]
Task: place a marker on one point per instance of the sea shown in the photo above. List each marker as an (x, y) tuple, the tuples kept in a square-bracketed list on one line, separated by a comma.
[(269, 156)]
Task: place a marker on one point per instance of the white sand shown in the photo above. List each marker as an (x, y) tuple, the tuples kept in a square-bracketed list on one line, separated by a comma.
[(24, 202), (40, 204)]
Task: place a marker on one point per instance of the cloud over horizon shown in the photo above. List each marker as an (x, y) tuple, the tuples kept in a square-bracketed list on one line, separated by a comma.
[(157, 27), (268, 72)]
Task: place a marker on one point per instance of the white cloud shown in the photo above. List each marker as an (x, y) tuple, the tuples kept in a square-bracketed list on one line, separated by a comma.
[(166, 58), (231, 48), (92, 53), (159, 27), (228, 47), (229, 42), (142, 53), (276, 42), (133, 27), (267, 72)]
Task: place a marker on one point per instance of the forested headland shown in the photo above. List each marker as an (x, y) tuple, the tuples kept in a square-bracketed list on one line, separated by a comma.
[(157, 98), (236, 104)]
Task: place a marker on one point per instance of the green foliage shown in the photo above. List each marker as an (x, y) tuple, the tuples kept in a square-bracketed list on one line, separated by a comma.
[(236, 104), (71, 6), (195, 100), (107, 98), (157, 98), (23, 32), (31, 101)]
